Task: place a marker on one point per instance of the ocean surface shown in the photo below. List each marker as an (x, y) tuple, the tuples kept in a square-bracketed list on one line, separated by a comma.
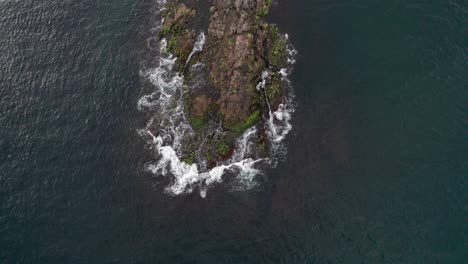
[(376, 169)]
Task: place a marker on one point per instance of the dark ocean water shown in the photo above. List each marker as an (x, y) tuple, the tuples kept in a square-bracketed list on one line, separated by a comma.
[(378, 157)]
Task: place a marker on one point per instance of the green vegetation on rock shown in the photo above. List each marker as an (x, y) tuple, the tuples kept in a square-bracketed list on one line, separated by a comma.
[(273, 88), (266, 8), (276, 47), (189, 159), (222, 148), (180, 39), (240, 45), (239, 128), (197, 122)]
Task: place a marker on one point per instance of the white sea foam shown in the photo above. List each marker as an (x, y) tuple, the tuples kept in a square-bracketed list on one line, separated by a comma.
[(197, 47), (167, 104), (244, 145), (187, 177), (278, 124), (262, 83)]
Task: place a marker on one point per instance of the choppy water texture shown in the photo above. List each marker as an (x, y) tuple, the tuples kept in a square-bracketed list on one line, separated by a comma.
[(376, 168)]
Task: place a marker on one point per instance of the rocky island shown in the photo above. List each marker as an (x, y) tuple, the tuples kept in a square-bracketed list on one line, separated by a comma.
[(242, 55)]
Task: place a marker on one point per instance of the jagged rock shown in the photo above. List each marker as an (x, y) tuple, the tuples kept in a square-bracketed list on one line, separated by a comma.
[(177, 15), (234, 62), (239, 47)]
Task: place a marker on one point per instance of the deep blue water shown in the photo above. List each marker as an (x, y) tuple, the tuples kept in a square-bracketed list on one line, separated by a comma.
[(378, 158)]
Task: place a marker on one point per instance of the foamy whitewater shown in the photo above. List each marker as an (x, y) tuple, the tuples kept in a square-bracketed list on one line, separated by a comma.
[(167, 100)]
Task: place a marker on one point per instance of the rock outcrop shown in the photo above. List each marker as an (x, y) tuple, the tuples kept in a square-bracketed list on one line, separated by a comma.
[(239, 47)]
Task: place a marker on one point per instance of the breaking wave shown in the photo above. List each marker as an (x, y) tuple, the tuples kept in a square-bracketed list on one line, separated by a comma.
[(166, 104)]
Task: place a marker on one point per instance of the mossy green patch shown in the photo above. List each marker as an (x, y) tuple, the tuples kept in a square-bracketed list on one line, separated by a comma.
[(171, 44), (197, 122), (164, 31), (274, 88), (276, 47), (175, 17), (259, 100), (266, 8), (222, 148), (189, 159), (239, 128), (174, 47)]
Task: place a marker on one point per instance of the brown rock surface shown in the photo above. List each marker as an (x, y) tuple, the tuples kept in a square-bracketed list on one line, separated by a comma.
[(239, 47), (233, 59)]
